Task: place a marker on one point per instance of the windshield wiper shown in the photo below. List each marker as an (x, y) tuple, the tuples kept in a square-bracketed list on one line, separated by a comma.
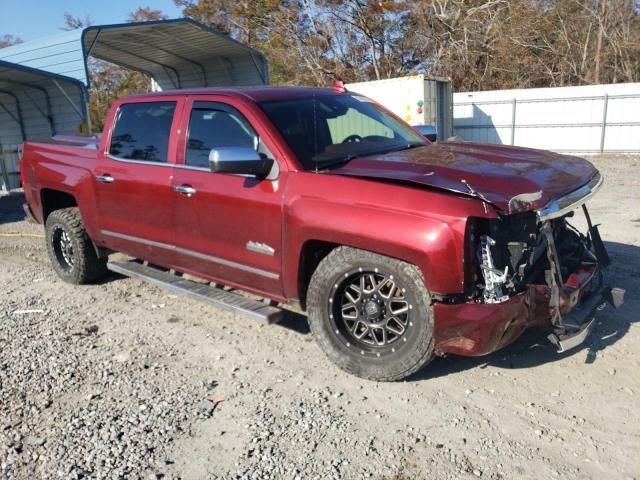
[(337, 163), (347, 158), (408, 146)]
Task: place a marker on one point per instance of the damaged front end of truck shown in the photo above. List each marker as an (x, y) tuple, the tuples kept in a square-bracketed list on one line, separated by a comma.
[(525, 264), (531, 268)]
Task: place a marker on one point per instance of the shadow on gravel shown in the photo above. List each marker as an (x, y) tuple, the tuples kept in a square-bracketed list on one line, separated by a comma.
[(110, 277), (296, 322), (11, 207), (533, 349)]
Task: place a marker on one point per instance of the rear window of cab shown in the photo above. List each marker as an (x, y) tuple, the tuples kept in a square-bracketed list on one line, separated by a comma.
[(141, 131)]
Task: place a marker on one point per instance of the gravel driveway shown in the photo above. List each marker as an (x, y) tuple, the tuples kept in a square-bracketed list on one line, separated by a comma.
[(125, 380)]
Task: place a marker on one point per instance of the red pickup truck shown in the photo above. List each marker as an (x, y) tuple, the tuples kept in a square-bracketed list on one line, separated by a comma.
[(397, 248)]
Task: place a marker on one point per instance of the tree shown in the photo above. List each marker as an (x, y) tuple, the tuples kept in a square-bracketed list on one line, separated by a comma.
[(145, 14), (7, 39), (215, 13), (73, 23), (478, 44)]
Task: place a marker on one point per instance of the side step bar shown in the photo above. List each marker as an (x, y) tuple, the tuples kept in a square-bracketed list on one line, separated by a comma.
[(228, 300)]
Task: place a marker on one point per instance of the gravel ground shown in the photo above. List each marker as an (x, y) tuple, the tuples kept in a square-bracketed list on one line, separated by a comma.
[(124, 380)]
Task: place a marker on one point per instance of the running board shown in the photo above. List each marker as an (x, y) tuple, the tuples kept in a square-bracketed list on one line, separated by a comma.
[(230, 301)]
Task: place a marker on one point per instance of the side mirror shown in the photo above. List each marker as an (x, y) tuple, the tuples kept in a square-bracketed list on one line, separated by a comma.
[(240, 161)]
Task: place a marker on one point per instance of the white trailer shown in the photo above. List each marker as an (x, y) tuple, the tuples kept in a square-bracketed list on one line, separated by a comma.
[(418, 100)]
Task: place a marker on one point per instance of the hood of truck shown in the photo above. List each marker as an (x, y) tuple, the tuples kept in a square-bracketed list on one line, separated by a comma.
[(514, 179)]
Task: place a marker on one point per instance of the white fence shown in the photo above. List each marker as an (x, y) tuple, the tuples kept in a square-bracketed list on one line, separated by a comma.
[(588, 119)]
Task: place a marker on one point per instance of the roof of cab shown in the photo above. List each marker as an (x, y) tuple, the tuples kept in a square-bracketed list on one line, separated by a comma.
[(256, 94)]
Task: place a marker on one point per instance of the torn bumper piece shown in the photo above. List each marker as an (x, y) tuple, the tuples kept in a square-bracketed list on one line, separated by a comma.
[(578, 324)]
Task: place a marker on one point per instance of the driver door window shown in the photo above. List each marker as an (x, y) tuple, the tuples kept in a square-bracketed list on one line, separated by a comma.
[(213, 127)]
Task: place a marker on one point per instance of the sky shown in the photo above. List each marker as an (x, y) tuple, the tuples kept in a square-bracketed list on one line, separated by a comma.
[(31, 19)]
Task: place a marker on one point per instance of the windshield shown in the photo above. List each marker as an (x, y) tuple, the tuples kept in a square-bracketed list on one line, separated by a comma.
[(326, 130)]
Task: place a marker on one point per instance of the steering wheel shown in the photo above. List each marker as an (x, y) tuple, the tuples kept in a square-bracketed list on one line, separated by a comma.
[(352, 139)]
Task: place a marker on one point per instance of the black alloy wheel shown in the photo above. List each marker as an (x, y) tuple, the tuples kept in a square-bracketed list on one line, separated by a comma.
[(370, 311)]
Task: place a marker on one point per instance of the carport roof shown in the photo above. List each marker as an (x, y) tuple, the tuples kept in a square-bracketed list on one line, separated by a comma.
[(39, 96), (12, 74), (35, 104), (179, 53)]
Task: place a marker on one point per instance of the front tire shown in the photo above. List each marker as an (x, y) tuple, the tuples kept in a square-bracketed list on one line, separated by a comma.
[(371, 314), (70, 250)]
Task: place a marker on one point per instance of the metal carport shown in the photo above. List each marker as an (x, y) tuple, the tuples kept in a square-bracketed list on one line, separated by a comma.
[(34, 104), (179, 53)]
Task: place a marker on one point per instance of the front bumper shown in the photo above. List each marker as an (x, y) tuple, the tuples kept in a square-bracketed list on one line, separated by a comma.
[(473, 329)]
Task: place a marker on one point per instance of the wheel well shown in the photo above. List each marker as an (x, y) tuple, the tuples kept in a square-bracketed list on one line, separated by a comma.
[(55, 200), (313, 251)]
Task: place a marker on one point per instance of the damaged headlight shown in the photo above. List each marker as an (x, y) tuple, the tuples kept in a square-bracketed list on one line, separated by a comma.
[(502, 249), (494, 280), (512, 252)]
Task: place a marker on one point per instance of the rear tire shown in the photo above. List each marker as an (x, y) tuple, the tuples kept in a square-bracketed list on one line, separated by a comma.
[(70, 249), (371, 314)]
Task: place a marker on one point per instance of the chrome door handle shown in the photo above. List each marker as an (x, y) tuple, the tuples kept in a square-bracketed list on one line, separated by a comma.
[(185, 190), (105, 178)]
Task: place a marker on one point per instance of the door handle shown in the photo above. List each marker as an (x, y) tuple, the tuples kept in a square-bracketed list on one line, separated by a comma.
[(105, 178), (185, 190)]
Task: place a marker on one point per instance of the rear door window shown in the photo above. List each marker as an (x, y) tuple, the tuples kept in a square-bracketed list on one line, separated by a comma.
[(142, 130)]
